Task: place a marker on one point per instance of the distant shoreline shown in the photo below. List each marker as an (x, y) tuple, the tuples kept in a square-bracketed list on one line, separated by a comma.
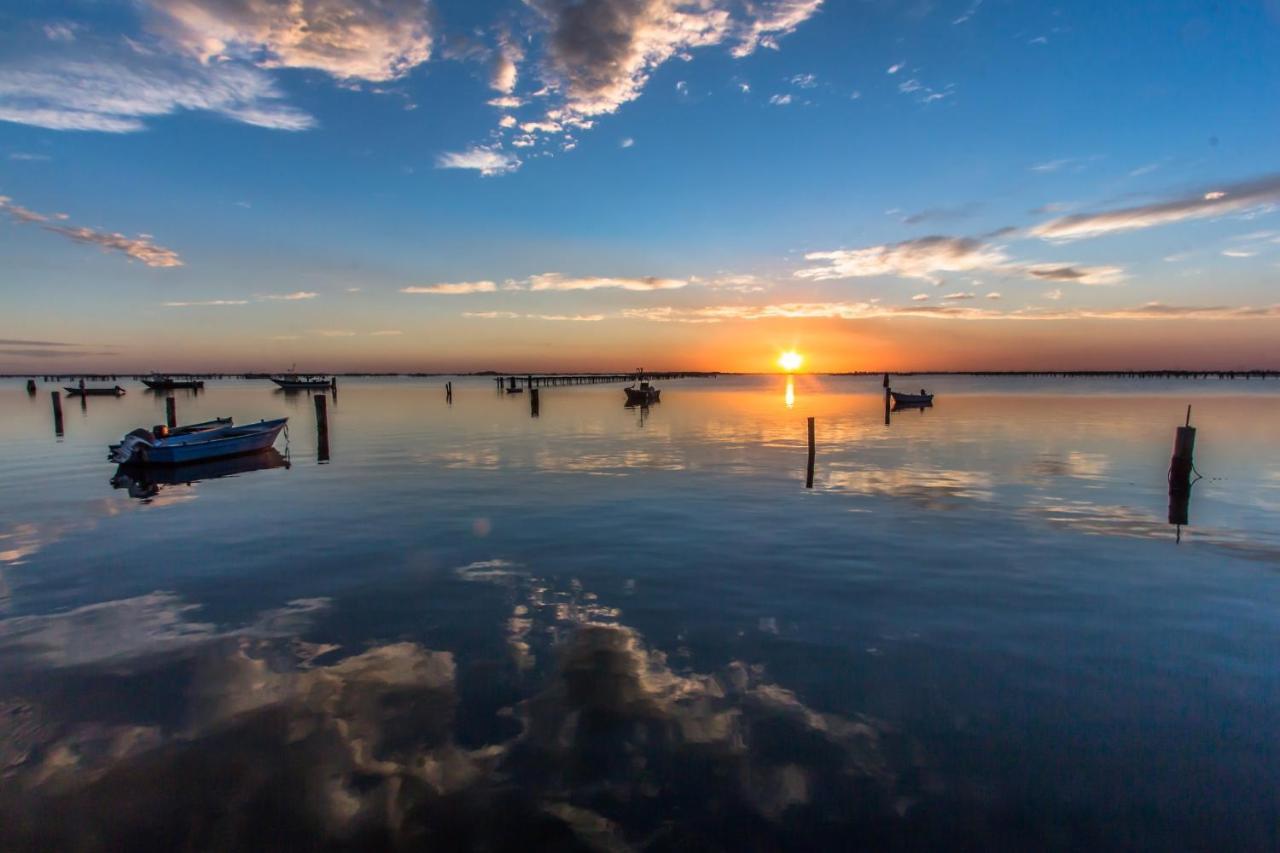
[(493, 374)]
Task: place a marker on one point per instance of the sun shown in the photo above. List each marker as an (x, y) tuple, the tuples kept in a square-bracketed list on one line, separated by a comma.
[(790, 361)]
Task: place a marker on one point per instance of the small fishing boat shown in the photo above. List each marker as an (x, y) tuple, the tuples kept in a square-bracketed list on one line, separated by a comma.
[(912, 399), (146, 448), (294, 382), (168, 383), (203, 426), (641, 393), (117, 391)]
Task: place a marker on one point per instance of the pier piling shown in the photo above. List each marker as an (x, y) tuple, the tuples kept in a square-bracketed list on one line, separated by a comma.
[(808, 477), (171, 411), (31, 386), (533, 402), (57, 412), (1181, 467), (322, 429)]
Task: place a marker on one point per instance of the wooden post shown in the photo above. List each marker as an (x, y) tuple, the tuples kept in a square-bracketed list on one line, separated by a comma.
[(1181, 466), (322, 429), (448, 393), (170, 411), (57, 412), (31, 386), (808, 478), (533, 402), (887, 399)]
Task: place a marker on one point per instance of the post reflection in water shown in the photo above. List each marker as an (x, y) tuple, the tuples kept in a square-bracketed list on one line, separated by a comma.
[(628, 628)]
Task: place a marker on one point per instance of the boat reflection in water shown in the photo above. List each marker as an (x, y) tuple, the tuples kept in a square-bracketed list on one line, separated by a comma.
[(146, 481)]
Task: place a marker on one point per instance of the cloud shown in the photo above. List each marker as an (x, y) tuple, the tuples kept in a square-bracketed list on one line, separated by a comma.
[(874, 310), (288, 297), (780, 100), (507, 102), (995, 294), (1053, 295), (505, 71), (491, 315), (804, 81), (942, 214), (207, 303), (960, 295), (738, 282), (767, 21), (1078, 274), (968, 13), (386, 333), (920, 297), (923, 258), (1213, 201), (452, 289), (488, 161), (600, 55), (117, 95), (556, 281), (65, 32), (512, 315), (138, 248), (333, 333), (1238, 253), (30, 158), (627, 142), (374, 40), (895, 68)]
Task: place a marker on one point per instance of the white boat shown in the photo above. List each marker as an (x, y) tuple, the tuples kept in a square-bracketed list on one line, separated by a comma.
[(912, 399)]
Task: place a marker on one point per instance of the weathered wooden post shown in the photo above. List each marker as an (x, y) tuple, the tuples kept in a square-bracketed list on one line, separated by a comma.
[(322, 429), (57, 412), (31, 386), (808, 478), (448, 393), (533, 402), (170, 411), (1181, 466), (887, 399)]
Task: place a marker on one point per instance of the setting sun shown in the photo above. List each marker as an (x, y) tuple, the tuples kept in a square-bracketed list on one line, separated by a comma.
[(790, 360)]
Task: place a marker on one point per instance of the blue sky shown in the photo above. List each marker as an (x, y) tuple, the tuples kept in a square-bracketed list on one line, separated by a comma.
[(406, 185)]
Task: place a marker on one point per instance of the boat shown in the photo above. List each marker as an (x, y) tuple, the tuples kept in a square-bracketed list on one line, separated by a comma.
[(168, 383), (912, 399), (116, 391), (147, 481), (294, 382), (202, 426), (641, 393), (146, 448)]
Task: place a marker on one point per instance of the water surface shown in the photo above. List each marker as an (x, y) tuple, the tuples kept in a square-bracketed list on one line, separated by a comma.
[(607, 628)]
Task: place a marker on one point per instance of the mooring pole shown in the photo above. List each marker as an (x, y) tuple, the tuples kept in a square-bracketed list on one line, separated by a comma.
[(170, 411), (1181, 467), (533, 402), (57, 412), (31, 386), (322, 429), (808, 477), (887, 399)]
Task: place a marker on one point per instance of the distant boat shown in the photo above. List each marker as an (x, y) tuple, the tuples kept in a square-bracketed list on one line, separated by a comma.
[(292, 382), (117, 391), (145, 448), (168, 383), (641, 393), (912, 399)]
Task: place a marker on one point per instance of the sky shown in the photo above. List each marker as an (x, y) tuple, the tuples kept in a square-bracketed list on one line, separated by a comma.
[(456, 185)]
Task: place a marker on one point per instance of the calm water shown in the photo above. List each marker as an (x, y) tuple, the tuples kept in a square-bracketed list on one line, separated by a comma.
[(610, 629)]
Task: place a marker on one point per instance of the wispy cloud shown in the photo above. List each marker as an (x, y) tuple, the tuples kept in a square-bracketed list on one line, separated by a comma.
[(288, 297), (1212, 201), (505, 71), (873, 310), (23, 156), (488, 161), (554, 318), (458, 288), (1103, 275), (374, 40), (334, 333), (924, 258), (116, 95), (780, 100), (207, 303), (140, 248), (386, 333), (556, 281)]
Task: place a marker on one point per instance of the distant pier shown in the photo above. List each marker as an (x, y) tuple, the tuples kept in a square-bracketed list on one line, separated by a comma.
[(544, 380)]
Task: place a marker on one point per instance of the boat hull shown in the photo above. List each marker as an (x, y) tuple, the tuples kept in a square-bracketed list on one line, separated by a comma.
[(95, 392), (912, 399), (642, 397), (303, 384), (211, 444), (172, 384)]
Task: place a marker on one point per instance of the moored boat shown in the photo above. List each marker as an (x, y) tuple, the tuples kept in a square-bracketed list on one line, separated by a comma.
[(292, 382), (912, 399), (116, 391), (168, 383), (641, 393), (146, 448)]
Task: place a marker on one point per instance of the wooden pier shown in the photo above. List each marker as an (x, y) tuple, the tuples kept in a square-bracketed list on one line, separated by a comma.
[(547, 380)]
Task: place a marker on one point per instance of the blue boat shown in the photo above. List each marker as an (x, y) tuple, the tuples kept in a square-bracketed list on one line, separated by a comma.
[(142, 447)]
